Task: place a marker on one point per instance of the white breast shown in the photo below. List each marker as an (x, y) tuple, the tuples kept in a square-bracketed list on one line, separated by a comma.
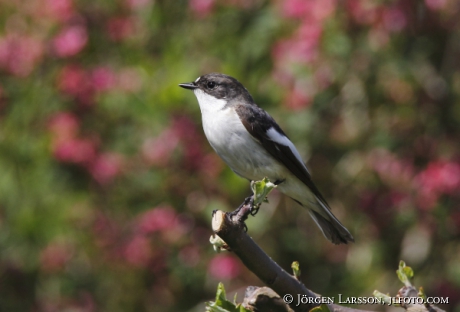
[(230, 139)]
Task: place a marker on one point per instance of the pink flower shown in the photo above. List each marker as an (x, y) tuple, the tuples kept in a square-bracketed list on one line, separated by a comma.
[(312, 10), (211, 165), (440, 177), (120, 28), (297, 100), (394, 19), (157, 151), (363, 11), (105, 167), (75, 81), (296, 8), (64, 125), (224, 267), (390, 168), (102, 78), (436, 4), (157, 219), (138, 251), (54, 257), (190, 139), (19, 55), (137, 4), (301, 48), (70, 41), (202, 8), (61, 10), (71, 79), (73, 150)]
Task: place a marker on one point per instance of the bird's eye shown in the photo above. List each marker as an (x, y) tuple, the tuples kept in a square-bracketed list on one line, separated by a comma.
[(211, 85)]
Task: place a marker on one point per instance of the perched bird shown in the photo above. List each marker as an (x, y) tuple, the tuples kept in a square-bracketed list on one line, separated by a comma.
[(249, 140)]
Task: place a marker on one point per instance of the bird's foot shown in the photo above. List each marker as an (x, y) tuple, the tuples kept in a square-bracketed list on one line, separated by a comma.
[(241, 213)]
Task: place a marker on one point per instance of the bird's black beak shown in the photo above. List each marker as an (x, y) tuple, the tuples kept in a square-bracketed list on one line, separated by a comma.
[(188, 85)]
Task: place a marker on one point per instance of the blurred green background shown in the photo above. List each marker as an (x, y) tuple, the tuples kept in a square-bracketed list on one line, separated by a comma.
[(107, 182)]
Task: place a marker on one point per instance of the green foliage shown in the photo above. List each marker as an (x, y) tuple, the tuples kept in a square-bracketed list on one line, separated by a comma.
[(405, 273), (261, 189), (222, 304), (295, 266)]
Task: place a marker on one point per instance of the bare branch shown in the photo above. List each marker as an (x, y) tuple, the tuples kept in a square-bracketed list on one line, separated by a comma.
[(258, 262)]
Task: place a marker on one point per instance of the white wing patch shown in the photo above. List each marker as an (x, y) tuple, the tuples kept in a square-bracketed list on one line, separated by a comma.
[(279, 138)]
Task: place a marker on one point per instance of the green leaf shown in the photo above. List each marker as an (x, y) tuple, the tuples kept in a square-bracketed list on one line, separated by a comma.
[(405, 273), (222, 304), (261, 189), (296, 269)]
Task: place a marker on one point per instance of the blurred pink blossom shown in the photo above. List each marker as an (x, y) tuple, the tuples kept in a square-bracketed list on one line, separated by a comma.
[(296, 8), (105, 167), (61, 10), (312, 10), (64, 125), (297, 100), (394, 19), (76, 81), (120, 28), (224, 267), (380, 206), (54, 257), (137, 4), (70, 41), (157, 151), (211, 165), (301, 48), (138, 251), (102, 78), (157, 219), (20, 54), (71, 79), (390, 168), (363, 11), (440, 177), (436, 4), (202, 8), (74, 150), (190, 139)]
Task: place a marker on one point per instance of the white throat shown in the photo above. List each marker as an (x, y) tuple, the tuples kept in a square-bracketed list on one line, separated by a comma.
[(209, 104)]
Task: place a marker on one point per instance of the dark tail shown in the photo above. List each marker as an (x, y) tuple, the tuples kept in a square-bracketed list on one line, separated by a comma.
[(332, 228)]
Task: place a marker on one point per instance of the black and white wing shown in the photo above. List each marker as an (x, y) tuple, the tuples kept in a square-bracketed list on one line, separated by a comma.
[(265, 129)]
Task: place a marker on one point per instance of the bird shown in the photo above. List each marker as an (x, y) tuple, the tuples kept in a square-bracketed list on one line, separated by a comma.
[(254, 146)]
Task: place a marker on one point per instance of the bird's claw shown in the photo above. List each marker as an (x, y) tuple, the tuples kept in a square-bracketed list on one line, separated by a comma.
[(254, 210)]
